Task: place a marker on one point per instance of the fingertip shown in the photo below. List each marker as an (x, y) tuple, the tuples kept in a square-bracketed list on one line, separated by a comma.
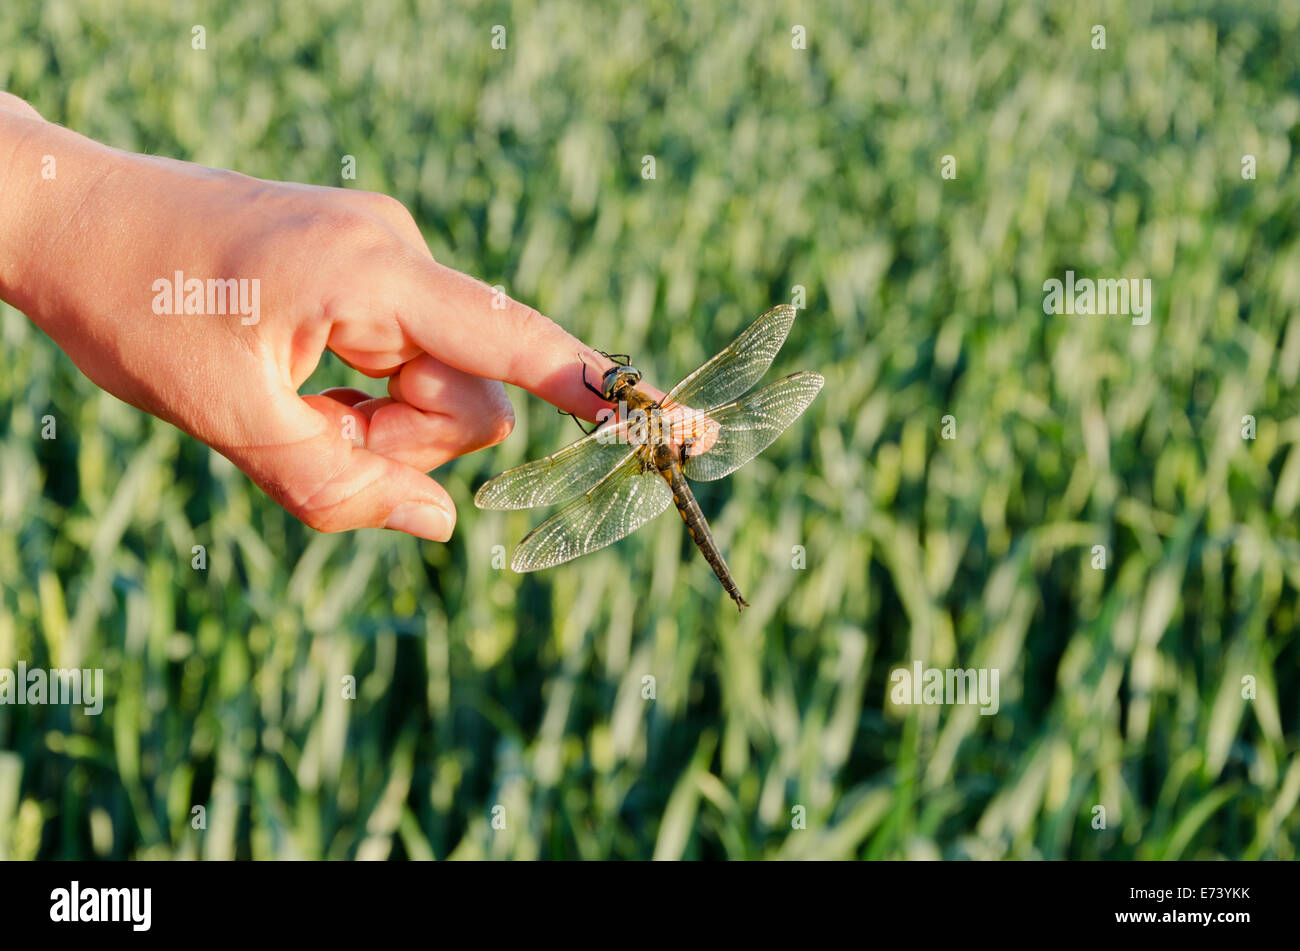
[(424, 519)]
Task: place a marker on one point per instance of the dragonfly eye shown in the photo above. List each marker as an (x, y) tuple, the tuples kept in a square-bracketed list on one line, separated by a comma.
[(617, 379)]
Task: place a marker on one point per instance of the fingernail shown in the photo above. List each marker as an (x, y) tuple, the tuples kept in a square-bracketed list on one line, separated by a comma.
[(424, 519)]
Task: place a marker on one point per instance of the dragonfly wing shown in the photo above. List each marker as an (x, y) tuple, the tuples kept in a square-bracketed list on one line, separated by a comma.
[(560, 476), (737, 368), (750, 424), (620, 503)]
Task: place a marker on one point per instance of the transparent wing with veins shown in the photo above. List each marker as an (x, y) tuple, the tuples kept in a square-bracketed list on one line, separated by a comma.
[(733, 371), (618, 505), (560, 476), (749, 425)]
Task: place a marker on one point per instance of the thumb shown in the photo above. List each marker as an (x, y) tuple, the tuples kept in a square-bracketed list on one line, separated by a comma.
[(316, 466)]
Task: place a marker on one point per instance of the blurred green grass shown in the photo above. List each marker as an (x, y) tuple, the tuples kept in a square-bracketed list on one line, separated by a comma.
[(775, 167)]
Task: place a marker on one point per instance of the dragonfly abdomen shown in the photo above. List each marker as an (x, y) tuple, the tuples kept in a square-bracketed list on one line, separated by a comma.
[(698, 527)]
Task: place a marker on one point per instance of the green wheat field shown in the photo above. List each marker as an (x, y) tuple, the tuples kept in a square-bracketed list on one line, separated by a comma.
[(1163, 688)]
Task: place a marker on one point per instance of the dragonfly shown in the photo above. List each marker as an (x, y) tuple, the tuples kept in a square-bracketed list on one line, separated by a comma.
[(635, 466)]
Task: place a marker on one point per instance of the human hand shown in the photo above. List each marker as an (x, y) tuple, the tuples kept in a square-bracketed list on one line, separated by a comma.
[(92, 256)]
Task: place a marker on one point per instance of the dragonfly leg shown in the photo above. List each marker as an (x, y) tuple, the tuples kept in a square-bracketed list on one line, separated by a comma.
[(622, 359), (578, 421), (588, 385)]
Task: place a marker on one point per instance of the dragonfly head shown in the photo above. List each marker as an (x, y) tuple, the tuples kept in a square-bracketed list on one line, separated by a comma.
[(617, 381)]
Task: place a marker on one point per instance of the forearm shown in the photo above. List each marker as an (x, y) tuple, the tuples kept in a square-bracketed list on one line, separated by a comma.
[(20, 124), (46, 174)]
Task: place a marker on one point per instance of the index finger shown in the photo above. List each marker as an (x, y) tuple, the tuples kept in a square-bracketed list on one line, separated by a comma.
[(474, 328)]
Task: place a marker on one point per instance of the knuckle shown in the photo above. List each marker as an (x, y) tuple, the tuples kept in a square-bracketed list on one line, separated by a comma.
[(318, 504), (386, 204), (316, 518), (343, 229), (392, 212), (315, 512), (530, 321), (530, 327)]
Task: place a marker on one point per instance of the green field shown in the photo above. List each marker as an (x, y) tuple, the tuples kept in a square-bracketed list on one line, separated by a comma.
[(775, 169)]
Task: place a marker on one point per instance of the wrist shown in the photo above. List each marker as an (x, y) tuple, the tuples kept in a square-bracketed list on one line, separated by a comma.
[(46, 174), (17, 127)]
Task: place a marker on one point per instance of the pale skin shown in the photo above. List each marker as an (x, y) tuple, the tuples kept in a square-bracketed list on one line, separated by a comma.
[(339, 269)]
